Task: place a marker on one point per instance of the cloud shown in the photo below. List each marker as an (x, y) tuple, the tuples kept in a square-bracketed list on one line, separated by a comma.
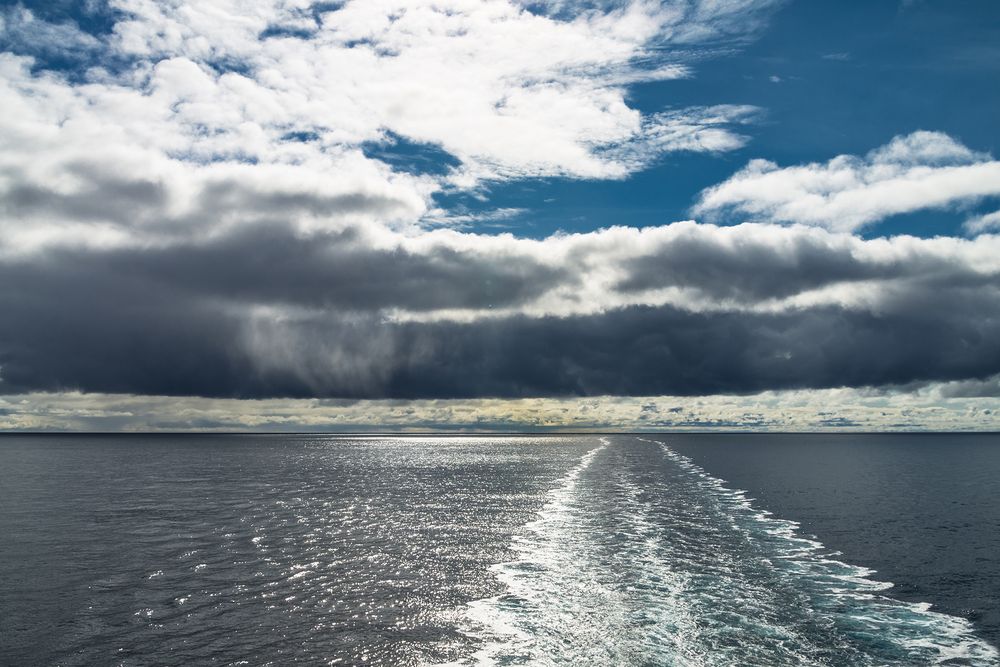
[(445, 274), (923, 170), (685, 309), (926, 409), (192, 118), (22, 32), (635, 351), (462, 217), (99, 165), (985, 388), (768, 267), (983, 223), (695, 129), (510, 92)]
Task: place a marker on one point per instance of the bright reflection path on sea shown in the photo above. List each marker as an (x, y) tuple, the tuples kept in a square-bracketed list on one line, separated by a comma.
[(259, 549)]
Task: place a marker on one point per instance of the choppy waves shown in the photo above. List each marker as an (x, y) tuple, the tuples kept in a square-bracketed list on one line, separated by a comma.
[(641, 557)]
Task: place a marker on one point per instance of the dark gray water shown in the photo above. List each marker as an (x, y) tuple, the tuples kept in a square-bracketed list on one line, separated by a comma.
[(140, 550)]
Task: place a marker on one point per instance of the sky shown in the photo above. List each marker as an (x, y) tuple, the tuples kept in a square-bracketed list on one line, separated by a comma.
[(500, 215)]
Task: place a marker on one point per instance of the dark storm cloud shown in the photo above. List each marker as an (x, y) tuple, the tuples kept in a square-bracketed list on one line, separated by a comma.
[(265, 310), (270, 264), (111, 328), (222, 197), (753, 268), (105, 197), (106, 193), (988, 387), (73, 328), (649, 351)]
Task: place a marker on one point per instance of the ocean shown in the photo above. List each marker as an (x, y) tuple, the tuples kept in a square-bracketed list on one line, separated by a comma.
[(667, 549)]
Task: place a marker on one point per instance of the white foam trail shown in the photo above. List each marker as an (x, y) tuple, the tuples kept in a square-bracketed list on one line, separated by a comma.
[(659, 604), (539, 620), (649, 560), (929, 637)]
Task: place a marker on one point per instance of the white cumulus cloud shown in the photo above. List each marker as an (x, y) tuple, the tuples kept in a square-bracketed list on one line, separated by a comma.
[(923, 170), (221, 113), (988, 222)]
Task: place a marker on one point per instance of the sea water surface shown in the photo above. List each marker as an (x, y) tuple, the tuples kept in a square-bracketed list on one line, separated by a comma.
[(576, 550)]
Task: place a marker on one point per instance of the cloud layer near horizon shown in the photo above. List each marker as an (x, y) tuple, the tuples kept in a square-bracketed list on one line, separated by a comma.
[(682, 309), (940, 406)]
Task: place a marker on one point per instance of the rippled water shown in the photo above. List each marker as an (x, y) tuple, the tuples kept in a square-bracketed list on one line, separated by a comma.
[(395, 551)]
